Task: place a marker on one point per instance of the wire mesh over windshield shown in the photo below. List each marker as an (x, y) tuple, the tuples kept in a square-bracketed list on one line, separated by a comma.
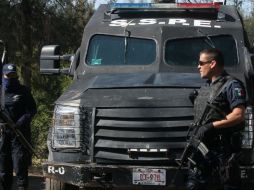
[(106, 50), (185, 52)]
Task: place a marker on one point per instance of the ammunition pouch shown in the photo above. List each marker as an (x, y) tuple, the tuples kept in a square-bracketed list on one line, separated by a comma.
[(229, 142), (232, 142)]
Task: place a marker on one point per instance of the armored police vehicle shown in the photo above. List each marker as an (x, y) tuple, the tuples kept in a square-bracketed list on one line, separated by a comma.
[(123, 121)]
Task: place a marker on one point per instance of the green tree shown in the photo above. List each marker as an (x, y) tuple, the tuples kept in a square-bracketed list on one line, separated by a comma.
[(27, 25), (63, 24)]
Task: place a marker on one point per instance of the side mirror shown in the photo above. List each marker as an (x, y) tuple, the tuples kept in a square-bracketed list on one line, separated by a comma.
[(50, 60), (75, 62)]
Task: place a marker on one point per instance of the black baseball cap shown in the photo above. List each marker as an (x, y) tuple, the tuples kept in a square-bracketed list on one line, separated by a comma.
[(9, 68)]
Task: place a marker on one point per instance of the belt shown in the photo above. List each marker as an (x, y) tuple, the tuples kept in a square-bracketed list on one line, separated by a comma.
[(227, 142)]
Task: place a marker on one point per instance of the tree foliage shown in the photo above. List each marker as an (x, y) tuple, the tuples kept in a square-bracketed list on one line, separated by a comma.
[(27, 25), (249, 25)]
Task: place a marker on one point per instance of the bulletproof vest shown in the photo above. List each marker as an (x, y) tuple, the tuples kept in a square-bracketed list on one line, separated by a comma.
[(211, 96)]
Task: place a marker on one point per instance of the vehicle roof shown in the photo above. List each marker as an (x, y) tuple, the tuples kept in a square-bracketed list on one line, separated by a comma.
[(227, 16), (160, 30)]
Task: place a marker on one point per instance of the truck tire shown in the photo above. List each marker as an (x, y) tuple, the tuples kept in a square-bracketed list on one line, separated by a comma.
[(52, 184)]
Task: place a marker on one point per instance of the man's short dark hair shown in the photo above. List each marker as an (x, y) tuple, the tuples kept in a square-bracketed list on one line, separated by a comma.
[(214, 54)]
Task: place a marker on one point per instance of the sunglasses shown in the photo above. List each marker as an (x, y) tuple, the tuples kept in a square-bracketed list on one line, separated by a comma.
[(201, 63)]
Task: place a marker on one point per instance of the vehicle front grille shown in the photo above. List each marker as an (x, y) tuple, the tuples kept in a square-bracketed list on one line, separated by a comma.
[(140, 135)]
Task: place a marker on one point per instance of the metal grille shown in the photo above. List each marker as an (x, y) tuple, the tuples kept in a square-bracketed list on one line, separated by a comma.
[(247, 140), (140, 135)]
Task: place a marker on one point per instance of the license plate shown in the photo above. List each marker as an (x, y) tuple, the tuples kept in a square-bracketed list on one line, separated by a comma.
[(145, 176)]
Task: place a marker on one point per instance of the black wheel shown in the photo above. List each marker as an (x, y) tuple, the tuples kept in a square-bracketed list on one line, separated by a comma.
[(52, 184)]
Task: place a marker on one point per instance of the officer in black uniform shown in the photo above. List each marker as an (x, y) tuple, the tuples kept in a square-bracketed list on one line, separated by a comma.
[(21, 107), (222, 103)]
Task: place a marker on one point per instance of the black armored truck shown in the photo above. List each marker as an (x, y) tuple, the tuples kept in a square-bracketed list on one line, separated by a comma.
[(123, 121)]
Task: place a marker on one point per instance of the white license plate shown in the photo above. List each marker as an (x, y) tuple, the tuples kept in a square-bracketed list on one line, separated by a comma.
[(146, 176)]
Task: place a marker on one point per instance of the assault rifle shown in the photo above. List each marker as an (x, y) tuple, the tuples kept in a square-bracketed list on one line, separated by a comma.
[(5, 116), (193, 144)]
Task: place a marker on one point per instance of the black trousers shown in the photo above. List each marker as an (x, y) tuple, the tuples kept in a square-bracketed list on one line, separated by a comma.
[(13, 156), (214, 168)]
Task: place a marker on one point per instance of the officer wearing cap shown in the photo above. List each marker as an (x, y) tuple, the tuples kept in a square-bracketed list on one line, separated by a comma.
[(20, 106), (224, 96)]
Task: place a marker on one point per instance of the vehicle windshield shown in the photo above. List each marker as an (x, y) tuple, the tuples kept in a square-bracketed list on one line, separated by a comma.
[(185, 52), (107, 50)]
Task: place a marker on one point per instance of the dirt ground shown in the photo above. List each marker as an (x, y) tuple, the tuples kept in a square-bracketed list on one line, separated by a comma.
[(36, 180), (35, 183)]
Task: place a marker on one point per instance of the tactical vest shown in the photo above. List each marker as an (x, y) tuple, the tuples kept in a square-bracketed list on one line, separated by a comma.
[(218, 107), (230, 137)]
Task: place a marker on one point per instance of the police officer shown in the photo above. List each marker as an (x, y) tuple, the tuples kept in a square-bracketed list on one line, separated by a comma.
[(224, 96), (21, 107)]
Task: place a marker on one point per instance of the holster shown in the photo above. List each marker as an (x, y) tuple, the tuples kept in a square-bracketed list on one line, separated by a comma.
[(236, 141), (230, 142), (230, 172)]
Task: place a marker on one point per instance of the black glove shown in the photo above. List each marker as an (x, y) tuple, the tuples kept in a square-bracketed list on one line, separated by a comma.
[(204, 130), (24, 119)]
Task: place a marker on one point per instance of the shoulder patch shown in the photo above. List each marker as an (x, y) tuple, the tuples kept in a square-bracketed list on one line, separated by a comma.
[(239, 92)]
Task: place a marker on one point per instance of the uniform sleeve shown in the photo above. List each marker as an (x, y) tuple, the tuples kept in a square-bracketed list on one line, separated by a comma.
[(236, 94)]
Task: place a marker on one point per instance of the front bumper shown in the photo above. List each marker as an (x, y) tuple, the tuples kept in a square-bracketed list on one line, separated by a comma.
[(93, 175)]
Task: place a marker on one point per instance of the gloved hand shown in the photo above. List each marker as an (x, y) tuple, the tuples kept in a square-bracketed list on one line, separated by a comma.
[(23, 120), (204, 130)]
